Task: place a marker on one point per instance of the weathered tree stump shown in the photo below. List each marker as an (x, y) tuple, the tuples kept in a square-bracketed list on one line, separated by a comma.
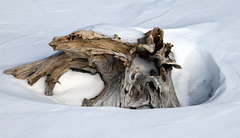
[(125, 85)]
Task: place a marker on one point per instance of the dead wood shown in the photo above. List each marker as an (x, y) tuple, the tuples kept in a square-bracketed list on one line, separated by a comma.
[(125, 85)]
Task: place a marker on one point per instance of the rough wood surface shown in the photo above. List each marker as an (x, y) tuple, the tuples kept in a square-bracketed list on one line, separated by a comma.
[(125, 85)]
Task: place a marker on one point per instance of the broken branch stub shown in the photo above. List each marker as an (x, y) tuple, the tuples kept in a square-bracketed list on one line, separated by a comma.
[(125, 85)]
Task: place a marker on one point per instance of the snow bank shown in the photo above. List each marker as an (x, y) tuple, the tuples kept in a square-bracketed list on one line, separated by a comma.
[(198, 79), (200, 76)]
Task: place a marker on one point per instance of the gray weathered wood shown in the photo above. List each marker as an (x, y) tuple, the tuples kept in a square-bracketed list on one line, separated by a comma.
[(125, 85)]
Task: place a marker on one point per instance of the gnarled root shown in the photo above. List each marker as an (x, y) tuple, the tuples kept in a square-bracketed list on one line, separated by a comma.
[(125, 85)]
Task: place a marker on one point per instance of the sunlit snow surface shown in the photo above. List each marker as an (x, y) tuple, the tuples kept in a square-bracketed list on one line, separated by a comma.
[(72, 89), (206, 38)]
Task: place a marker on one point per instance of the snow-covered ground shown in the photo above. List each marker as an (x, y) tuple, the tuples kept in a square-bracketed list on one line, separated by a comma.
[(206, 38)]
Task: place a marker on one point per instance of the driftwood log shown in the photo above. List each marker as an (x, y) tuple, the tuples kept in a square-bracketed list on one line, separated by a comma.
[(125, 85)]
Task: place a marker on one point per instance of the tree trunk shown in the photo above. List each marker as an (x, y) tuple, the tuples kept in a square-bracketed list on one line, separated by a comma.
[(125, 85)]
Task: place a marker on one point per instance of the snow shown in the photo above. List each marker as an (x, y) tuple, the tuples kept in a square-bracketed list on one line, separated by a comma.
[(206, 38), (144, 66), (73, 87), (127, 34)]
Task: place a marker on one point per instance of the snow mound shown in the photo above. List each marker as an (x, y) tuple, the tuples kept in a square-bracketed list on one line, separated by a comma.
[(199, 77)]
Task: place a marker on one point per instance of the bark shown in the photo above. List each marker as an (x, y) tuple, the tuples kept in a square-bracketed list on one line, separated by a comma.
[(125, 85)]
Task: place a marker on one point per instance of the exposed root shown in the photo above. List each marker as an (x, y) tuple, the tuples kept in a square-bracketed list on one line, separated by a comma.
[(125, 85)]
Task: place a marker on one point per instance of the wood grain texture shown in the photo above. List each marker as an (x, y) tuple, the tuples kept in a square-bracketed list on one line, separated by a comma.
[(125, 85)]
